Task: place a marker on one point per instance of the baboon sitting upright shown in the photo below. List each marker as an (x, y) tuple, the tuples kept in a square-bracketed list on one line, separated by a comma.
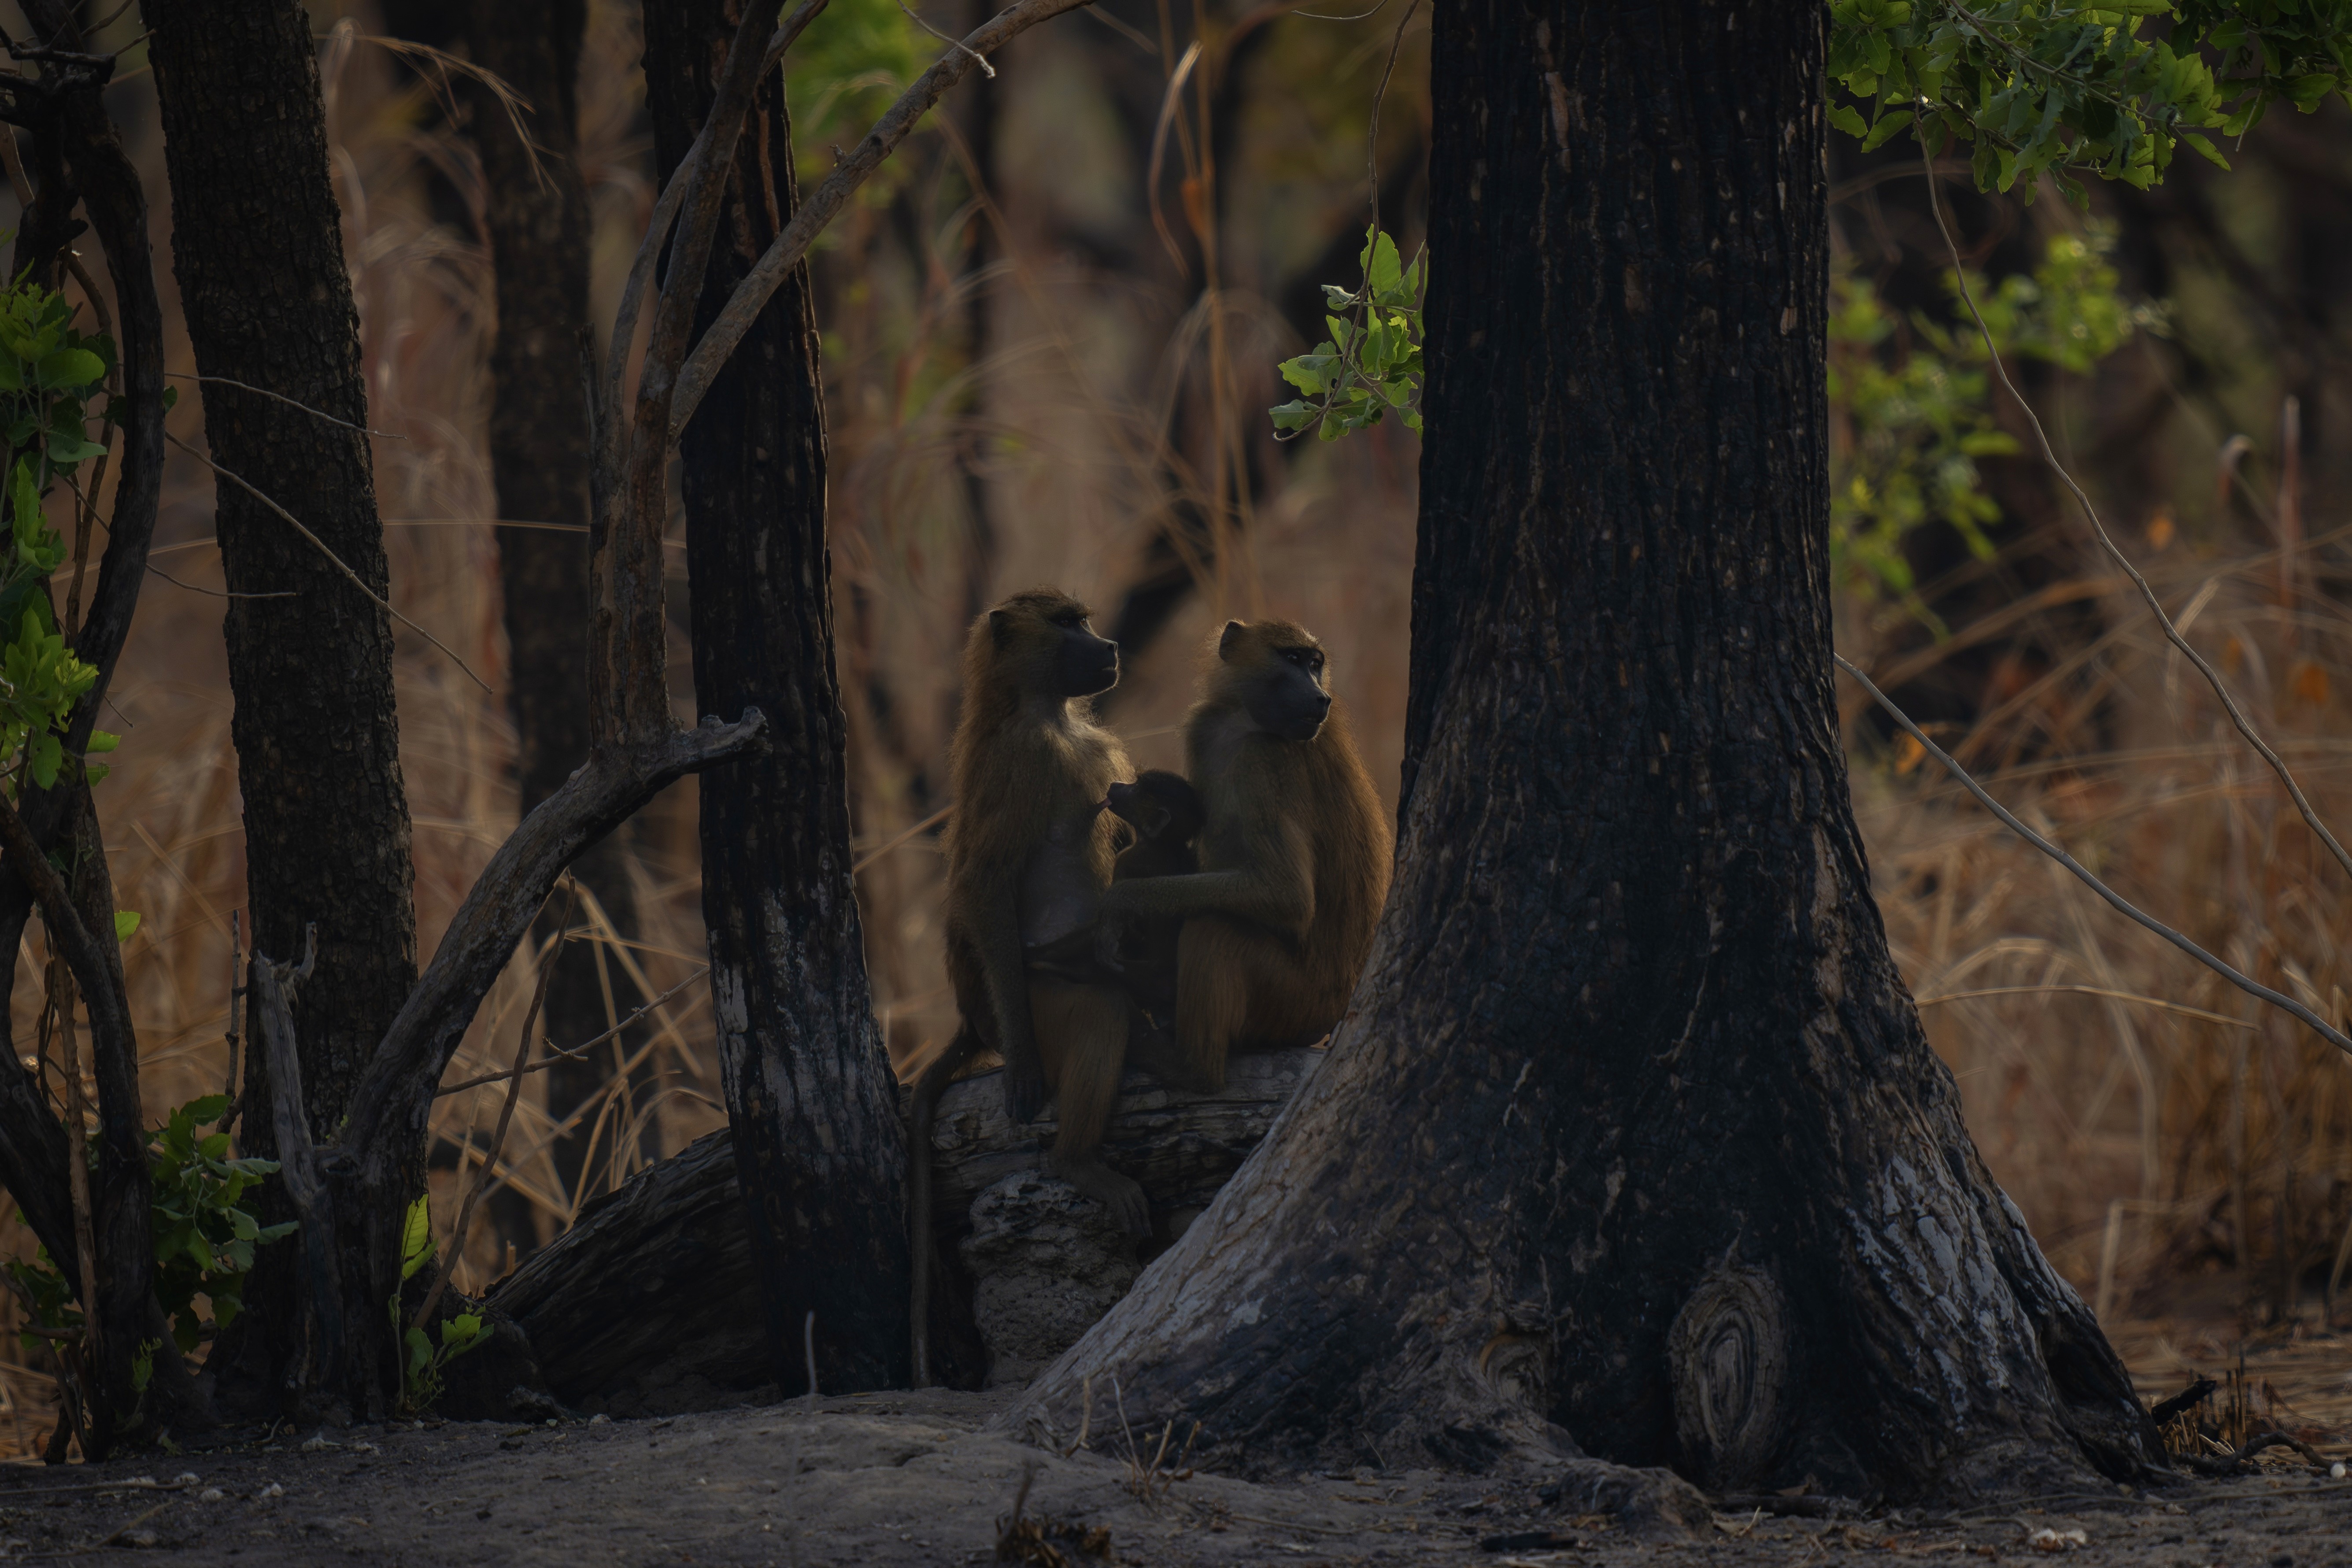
[(1294, 859)]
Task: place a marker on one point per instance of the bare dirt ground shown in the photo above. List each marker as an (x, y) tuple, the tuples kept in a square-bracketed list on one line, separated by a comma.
[(917, 1479)]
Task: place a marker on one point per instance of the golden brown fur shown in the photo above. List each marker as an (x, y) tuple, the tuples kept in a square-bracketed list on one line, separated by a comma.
[(1029, 850), (1294, 859)]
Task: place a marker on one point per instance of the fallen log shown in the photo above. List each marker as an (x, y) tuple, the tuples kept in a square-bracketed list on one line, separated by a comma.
[(649, 1305)]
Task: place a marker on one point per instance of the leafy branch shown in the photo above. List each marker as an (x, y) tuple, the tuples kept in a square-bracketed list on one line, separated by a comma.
[(2051, 85), (1371, 363)]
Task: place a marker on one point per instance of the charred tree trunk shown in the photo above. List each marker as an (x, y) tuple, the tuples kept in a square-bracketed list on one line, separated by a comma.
[(258, 249), (1631, 1136), (537, 217), (809, 1088)]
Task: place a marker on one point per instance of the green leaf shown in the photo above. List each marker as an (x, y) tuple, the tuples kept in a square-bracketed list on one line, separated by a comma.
[(101, 741), (125, 923), (71, 367), (1846, 119), (417, 1238)]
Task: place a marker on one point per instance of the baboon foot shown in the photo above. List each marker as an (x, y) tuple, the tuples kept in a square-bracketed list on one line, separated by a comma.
[(1123, 1198), (1154, 1049)]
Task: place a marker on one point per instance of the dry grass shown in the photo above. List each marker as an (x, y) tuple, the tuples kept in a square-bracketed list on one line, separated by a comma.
[(2153, 1125)]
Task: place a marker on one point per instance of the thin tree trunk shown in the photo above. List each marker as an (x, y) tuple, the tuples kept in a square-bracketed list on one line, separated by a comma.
[(809, 1088), (258, 249), (536, 212), (1633, 1137)]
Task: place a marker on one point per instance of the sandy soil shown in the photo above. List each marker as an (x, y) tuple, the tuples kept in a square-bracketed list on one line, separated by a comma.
[(915, 1478)]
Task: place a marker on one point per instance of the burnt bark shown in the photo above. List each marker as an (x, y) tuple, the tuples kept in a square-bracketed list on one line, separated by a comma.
[(536, 223), (1632, 1139), (650, 1303), (258, 249), (810, 1093)]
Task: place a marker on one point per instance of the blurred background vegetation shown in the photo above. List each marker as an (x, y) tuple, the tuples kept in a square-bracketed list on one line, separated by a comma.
[(1050, 334)]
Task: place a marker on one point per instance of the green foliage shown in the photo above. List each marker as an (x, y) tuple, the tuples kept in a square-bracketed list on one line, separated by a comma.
[(49, 373), (2049, 85), (44, 1284), (204, 1231), (417, 1238), (1911, 418), (422, 1368), (1371, 362), (849, 65), (422, 1371)]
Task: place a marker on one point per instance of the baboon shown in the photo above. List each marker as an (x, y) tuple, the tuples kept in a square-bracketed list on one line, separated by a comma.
[(1164, 813), (1029, 851), (1294, 859)]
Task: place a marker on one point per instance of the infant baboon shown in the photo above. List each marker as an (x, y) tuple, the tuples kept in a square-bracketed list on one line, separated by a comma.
[(1294, 859), (1166, 814)]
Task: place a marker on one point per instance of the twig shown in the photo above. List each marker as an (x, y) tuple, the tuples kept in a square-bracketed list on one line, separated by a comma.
[(808, 1349), (2157, 1001), (506, 1115), (298, 1159), (2226, 1464), (2091, 515), (881, 850), (2122, 906), (650, 247), (86, 513), (281, 397), (217, 593), (572, 1053), (750, 296), (337, 560), (236, 995), (77, 1150), (985, 68)]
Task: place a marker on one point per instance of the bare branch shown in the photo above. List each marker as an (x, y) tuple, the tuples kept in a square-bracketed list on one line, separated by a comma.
[(281, 397), (574, 1053), (457, 1232), (604, 409), (298, 1158), (2122, 906), (109, 1013), (2091, 513), (751, 295), (333, 559), (394, 1095)]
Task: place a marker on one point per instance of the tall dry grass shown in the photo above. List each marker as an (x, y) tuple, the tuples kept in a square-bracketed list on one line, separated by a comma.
[(2152, 1124)]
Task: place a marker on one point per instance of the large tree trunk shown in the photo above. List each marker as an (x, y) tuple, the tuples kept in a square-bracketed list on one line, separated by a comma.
[(258, 249), (537, 217), (1631, 1135), (809, 1088)]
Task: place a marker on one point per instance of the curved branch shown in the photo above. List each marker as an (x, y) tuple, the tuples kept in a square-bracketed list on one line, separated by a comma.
[(389, 1107), (751, 295)]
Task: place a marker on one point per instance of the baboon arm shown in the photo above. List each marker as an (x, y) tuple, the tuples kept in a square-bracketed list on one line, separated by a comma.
[(1273, 897)]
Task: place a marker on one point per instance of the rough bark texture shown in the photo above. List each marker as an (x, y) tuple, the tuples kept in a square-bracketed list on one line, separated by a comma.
[(76, 144), (537, 219), (809, 1088), (1632, 1112), (258, 250), (650, 1303)]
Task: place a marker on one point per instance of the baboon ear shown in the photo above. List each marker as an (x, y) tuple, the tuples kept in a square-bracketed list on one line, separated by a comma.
[(1000, 626), (1232, 634)]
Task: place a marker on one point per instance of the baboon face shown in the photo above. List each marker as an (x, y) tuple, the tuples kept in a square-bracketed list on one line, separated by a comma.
[(1049, 635), (1157, 806), (1283, 685)]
